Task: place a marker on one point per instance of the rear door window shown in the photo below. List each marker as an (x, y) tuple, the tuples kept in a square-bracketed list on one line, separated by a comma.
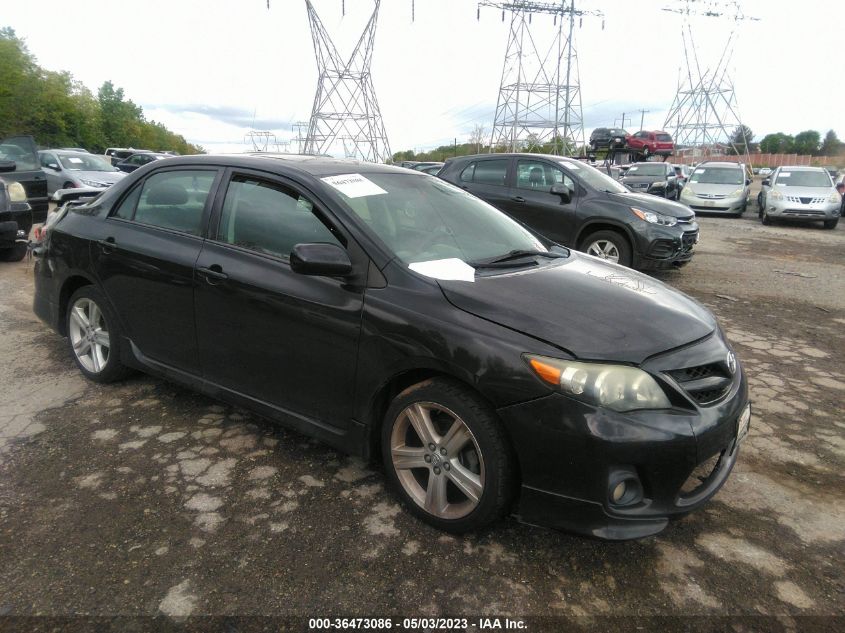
[(174, 200), (491, 172)]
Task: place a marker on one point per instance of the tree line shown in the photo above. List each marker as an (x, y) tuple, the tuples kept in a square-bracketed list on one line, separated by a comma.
[(60, 111)]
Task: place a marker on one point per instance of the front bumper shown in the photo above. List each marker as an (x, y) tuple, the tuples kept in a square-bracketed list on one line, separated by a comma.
[(660, 247), (571, 454), (716, 205), (791, 210)]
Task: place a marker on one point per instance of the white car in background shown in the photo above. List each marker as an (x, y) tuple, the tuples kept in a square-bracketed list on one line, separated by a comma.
[(804, 194)]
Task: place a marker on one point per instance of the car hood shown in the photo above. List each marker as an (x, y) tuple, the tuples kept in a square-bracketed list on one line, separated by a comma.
[(105, 177), (652, 203), (593, 309), (806, 192), (713, 189)]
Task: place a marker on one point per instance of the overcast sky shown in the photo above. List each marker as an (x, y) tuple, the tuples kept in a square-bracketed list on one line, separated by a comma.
[(212, 69)]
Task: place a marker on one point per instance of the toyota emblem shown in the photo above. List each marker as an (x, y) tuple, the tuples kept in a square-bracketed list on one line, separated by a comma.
[(732, 362)]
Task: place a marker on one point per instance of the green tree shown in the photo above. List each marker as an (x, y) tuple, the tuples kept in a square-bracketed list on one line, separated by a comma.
[(777, 143), (831, 146), (807, 142), (740, 139)]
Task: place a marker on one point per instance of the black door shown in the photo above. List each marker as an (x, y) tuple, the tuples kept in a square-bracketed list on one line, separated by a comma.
[(532, 203), (487, 178), (273, 335), (145, 261)]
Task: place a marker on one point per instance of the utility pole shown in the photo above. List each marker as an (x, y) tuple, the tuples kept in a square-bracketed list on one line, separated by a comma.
[(642, 118)]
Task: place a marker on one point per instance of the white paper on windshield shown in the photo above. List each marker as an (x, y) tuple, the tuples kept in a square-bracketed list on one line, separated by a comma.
[(698, 171), (77, 161), (354, 185), (452, 269), (785, 174)]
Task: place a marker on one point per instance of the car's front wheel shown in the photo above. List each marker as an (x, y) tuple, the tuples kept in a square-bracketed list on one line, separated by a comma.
[(831, 224), (608, 245), (446, 455), (93, 334)]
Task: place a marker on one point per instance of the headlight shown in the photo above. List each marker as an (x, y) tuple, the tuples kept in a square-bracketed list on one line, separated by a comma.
[(615, 387), (16, 192), (655, 218), (660, 183), (687, 192), (776, 195), (834, 197), (91, 183)]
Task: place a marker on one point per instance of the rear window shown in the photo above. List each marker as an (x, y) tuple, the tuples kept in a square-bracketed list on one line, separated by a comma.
[(488, 172), (664, 137)]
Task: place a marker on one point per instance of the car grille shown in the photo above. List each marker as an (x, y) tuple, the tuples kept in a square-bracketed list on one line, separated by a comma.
[(818, 212), (706, 384), (712, 196), (700, 208), (701, 476), (686, 220), (688, 240), (805, 200)]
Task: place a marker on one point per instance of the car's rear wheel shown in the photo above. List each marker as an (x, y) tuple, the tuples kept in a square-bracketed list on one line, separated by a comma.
[(93, 334), (447, 457), (646, 151), (831, 224), (608, 245), (14, 254)]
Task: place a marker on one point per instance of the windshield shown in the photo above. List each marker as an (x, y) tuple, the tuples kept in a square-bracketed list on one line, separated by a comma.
[(594, 178), (647, 170), (803, 179), (84, 162), (718, 176), (422, 218)]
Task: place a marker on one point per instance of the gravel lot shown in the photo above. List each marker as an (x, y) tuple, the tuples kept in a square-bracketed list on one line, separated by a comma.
[(142, 498)]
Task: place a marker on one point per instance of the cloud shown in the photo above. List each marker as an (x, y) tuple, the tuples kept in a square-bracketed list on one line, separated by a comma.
[(237, 117)]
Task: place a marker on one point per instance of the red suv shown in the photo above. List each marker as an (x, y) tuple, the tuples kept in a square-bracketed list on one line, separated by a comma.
[(651, 143)]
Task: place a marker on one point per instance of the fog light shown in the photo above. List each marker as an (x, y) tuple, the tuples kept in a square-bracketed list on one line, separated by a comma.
[(619, 492)]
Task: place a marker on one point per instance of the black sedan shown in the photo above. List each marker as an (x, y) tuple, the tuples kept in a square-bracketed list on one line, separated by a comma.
[(392, 314), (656, 178), (139, 159), (577, 205)]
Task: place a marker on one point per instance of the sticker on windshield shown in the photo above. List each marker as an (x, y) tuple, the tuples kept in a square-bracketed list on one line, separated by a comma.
[(452, 269), (354, 185), (74, 160)]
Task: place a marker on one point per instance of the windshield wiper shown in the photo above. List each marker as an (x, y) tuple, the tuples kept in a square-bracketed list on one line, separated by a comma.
[(508, 260)]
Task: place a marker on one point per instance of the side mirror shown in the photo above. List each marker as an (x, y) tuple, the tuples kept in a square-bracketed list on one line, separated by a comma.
[(7, 166), (767, 182), (326, 260), (563, 191), (747, 181), (53, 166)]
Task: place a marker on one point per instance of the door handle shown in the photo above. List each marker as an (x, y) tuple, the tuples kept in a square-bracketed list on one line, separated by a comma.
[(213, 274), (107, 245), (517, 198)]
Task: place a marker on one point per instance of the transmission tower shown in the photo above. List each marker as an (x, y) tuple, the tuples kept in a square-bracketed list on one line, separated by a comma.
[(540, 94), (704, 113), (260, 140), (345, 104)]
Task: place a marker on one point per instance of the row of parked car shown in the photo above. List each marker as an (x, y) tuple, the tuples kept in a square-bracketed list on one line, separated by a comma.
[(645, 142)]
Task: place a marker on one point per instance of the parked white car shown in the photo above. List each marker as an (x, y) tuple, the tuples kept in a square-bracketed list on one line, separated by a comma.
[(804, 194)]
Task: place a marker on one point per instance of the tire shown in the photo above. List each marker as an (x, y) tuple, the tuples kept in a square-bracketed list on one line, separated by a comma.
[(97, 364), (646, 152), (592, 245), (831, 224), (765, 219), (14, 254), (482, 463), (760, 205)]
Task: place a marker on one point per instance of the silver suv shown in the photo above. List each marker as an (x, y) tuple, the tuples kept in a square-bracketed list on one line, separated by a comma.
[(805, 194), (717, 187)]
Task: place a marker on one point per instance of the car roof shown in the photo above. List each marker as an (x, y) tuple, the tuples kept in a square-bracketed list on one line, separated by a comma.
[(721, 163), (312, 165), (802, 168)]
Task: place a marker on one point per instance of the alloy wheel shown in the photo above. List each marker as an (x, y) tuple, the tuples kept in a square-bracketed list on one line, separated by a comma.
[(605, 249), (437, 460), (89, 335)]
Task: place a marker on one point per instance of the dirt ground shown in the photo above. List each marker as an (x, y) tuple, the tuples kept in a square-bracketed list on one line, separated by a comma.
[(142, 498)]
